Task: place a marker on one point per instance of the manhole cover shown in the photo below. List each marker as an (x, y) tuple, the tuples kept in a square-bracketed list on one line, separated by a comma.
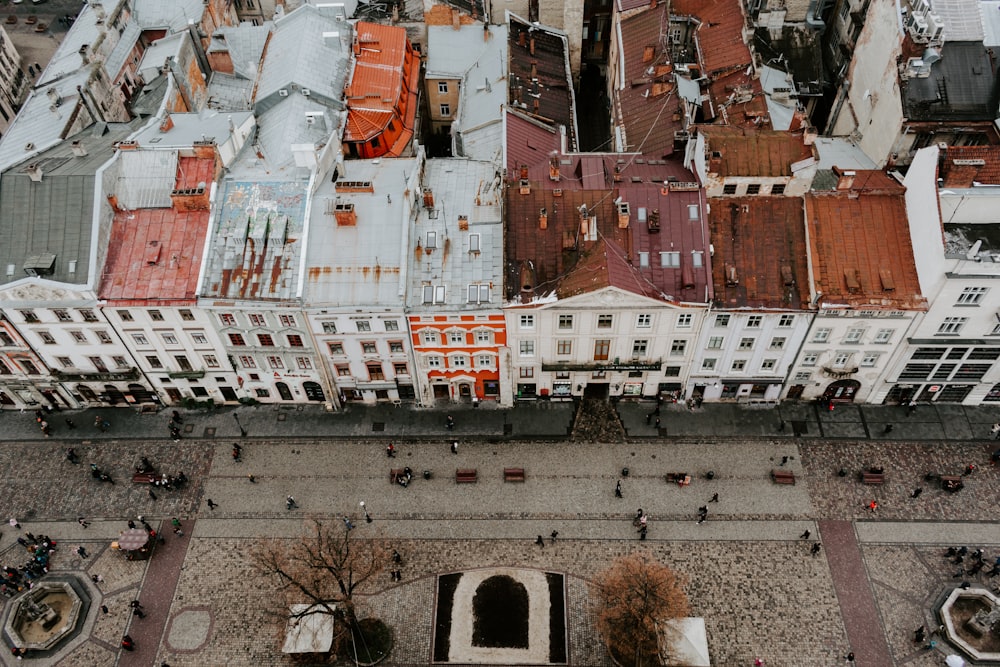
[(188, 428), (210, 432), (378, 426), (282, 417)]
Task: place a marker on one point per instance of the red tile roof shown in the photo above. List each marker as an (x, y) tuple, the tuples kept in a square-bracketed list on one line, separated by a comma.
[(154, 255), (859, 245), (760, 253), (961, 166), (605, 265), (747, 151)]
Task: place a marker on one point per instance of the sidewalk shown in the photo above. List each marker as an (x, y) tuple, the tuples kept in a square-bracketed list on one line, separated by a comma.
[(541, 420)]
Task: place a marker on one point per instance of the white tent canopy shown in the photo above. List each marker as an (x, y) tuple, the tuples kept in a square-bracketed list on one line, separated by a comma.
[(308, 634), (689, 643)]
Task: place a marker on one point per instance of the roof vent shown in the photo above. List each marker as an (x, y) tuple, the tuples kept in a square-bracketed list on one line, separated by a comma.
[(732, 277), (34, 172), (885, 276), (543, 219), (524, 186), (40, 265), (623, 215), (853, 279), (79, 149), (282, 92), (29, 146)]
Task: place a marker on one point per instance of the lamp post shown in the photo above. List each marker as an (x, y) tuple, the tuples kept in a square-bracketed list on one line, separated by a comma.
[(368, 517), (243, 431)]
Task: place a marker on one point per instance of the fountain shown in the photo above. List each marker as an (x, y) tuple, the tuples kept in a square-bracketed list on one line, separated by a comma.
[(972, 623), (44, 616)]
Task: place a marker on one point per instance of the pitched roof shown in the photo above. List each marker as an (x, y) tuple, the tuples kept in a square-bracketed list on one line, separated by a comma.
[(860, 249), (760, 253), (529, 142), (154, 254), (746, 151), (963, 166), (605, 265)]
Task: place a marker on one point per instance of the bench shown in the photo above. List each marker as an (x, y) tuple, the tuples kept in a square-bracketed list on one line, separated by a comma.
[(144, 477), (783, 477), (466, 476), (952, 483), (513, 474), (678, 478), (873, 478), (395, 475)]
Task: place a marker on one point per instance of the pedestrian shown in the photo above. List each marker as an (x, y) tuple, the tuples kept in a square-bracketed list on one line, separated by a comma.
[(995, 431), (618, 489), (815, 548), (784, 460), (916, 492), (887, 429), (290, 503), (805, 535), (540, 542), (781, 426), (449, 422), (14, 524), (642, 532), (175, 417), (211, 505), (131, 524), (850, 657), (151, 494), (348, 524), (136, 611), (237, 452), (969, 469), (127, 643), (71, 456), (758, 662), (649, 418), (715, 498), (82, 552), (703, 510), (104, 608), (930, 645), (554, 534), (135, 604), (390, 451), (70, 423), (657, 423), (454, 446), (873, 505), (396, 557), (911, 407), (83, 522), (253, 480), (97, 579)]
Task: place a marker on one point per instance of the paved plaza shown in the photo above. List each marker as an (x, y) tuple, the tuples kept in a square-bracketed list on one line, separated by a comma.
[(761, 592)]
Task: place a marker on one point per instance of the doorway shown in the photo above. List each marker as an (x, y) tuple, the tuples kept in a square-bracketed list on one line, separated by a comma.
[(314, 392), (228, 394), (283, 391), (597, 390), (441, 391), (114, 395), (465, 391), (842, 390)]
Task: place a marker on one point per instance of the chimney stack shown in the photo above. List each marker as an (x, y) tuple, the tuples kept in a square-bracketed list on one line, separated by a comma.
[(845, 178), (554, 168), (34, 172), (543, 219), (79, 149)]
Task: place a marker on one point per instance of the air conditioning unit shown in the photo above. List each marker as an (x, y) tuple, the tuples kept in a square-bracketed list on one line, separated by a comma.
[(935, 27), (282, 92), (306, 92)]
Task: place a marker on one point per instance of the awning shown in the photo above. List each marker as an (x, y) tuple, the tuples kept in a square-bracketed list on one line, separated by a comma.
[(308, 634)]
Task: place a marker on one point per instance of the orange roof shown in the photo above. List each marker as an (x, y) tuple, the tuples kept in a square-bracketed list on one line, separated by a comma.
[(961, 166), (745, 151), (154, 255), (859, 243), (377, 83), (445, 15)]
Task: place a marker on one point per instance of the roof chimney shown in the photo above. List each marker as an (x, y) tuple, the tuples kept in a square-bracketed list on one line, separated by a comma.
[(554, 168), (34, 172), (845, 179), (428, 198), (345, 215), (543, 219), (456, 19), (79, 149), (623, 215), (167, 124)]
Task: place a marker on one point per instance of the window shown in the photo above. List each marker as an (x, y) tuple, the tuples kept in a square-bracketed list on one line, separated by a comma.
[(335, 348), (672, 371), (395, 346), (768, 365), (604, 321), (526, 372), (747, 343), (46, 338), (564, 347), (103, 336), (952, 325), (684, 320), (304, 363), (484, 336), (841, 359), (639, 348), (971, 296), (754, 321), (276, 363), (777, 343), (708, 364), (400, 369), (265, 340), (458, 362), (678, 347), (442, 87), (821, 335), (329, 327), (697, 258), (391, 325), (343, 370), (729, 189), (778, 189), (643, 259), (715, 342), (479, 294), (168, 338), (803, 376), (199, 338), (456, 337), (722, 320), (786, 320), (883, 336), (286, 320), (853, 336), (870, 359), (433, 293), (434, 361), (429, 337), (670, 260), (753, 189), (155, 315), (29, 316), (484, 361), (88, 315), (247, 361), (237, 340), (153, 361), (182, 362), (186, 315), (364, 325), (739, 365), (262, 393), (643, 320), (445, 110), (809, 359), (565, 322), (368, 347), (62, 315), (210, 360), (227, 319), (526, 348), (78, 336), (6, 340), (602, 347), (375, 371), (65, 362), (562, 375), (527, 321), (140, 339), (257, 320), (120, 362), (693, 212), (294, 340)]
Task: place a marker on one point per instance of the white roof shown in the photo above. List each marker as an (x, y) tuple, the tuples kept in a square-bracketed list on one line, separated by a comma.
[(145, 179), (158, 52), (780, 112), (840, 152), (991, 22), (175, 15), (308, 634), (962, 20), (205, 125)]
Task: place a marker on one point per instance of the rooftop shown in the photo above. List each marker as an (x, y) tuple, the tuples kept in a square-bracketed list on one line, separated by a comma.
[(184, 129), (966, 166), (859, 243), (154, 254), (245, 44), (963, 21), (358, 245), (739, 151), (528, 141), (760, 253), (174, 15), (961, 86), (540, 82)]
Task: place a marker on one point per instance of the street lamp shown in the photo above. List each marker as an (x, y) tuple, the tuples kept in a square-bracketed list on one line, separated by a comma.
[(368, 517), (243, 431)]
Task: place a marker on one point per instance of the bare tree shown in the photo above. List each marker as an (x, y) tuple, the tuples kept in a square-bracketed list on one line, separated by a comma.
[(635, 596), (323, 569)]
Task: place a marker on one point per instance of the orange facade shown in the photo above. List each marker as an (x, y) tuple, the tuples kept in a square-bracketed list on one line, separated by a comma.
[(460, 354)]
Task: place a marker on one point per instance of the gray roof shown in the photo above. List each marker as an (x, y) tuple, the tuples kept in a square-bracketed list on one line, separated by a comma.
[(119, 54), (961, 86), (364, 264), (174, 15), (285, 125), (55, 216), (304, 53), (840, 152), (188, 128), (145, 179), (256, 244), (484, 93), (245, 44), (157, 54), (461, 188), (226, 91), (991, 22)]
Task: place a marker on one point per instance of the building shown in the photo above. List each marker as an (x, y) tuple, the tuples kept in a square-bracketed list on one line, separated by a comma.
[(455, 285), (20, 370), (12, 81), (748, 162)]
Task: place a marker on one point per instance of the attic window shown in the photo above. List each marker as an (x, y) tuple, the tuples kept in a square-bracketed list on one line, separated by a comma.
[(474, 243), (670, 260), (431, 241), (479, 294), (643, 260), (778, 189), (693, 212), (716, 155), (729, 189), (753, 189)]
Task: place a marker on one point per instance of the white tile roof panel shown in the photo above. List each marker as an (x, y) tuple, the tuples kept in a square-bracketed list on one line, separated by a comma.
[(145, 179)]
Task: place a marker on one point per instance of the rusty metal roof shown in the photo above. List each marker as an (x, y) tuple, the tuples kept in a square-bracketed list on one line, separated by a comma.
[(529, 141), (760, 253), (748, 151)]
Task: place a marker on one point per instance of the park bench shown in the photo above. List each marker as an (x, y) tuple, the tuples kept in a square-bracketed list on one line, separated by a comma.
[(513, 474), (873, 478), (952, 483), (466, 476), (144, 477), (782, 476), (678, 478), (396, 474)]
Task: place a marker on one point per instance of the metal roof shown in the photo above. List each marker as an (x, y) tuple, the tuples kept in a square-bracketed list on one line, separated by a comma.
[(961, 86), (287, 124), (245, 44), (157, 53), (119, 54), (226, 91), (145, 179), (963, 21), (174, 15), (462, 257), (362, 264), (187, 128)]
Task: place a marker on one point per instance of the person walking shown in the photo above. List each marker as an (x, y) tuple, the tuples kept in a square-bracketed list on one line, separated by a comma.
[(805, 535), (14, 524), (290, 503), (815, 549), (449, 423), (554, 535), (715, 498), (347, 523), (850, 657), (916, 492), (454, 446), (71, 456), (618, 490), (887, 429), (995, 431), (873, 505), (540, 542), (211, 504), (127, 643), (253, 480), (237, 452), (83, 522), (82, 552), (390, 451)]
